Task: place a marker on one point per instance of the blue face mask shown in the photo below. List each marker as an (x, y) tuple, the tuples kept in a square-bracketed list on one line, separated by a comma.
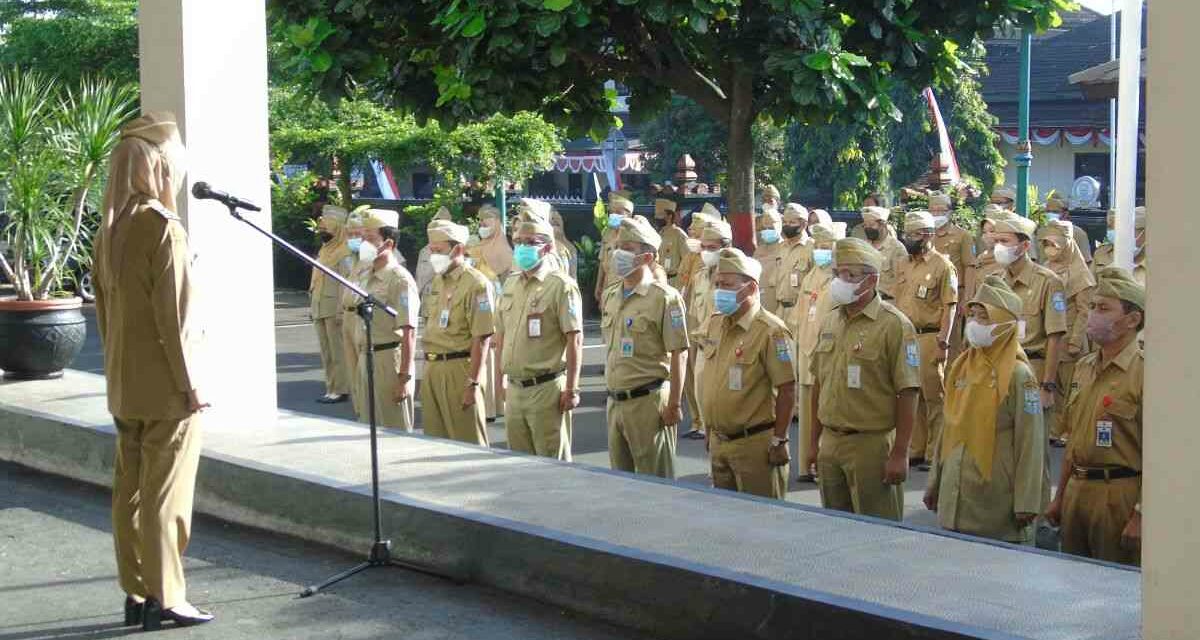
[(769, 236), (1053, 216), (614, 221), (526, 257), (1111, 236), (726, 301), (354, 244), (822, 257)]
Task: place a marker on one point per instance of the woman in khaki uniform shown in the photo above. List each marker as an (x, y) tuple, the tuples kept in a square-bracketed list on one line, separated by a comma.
[(326, 297), (564, 248), (990, 474), (769, 254), (1061, 255), (492, 256), (351, 323), (690, 269)]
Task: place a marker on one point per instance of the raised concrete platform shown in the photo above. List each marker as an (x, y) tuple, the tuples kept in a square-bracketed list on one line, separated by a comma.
[(673, 560)]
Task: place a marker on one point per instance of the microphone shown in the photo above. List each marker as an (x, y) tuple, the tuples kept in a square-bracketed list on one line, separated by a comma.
[(201, 191)]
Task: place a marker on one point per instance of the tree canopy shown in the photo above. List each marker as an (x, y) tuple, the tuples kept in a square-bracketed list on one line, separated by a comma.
[(70, 39)]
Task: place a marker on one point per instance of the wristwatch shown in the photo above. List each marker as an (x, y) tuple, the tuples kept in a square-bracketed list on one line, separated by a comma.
[(1050, 386), (943, 344), (472, 383)]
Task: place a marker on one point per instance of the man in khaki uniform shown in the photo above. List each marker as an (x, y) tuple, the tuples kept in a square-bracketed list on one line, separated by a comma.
[(674, 240), (619, 208), (882, 237), (424, 273), (1106, 254), (812, 308), (1043, 321), (748, 386), (1004, 197), (142, 274), (1062, 256), (458, 327), (769, 254), (694, 277), (348, 303), (927, 293), (864, 400), (567, 254), (393, 339), (957, 244), (1057, 211), (770, 197), (325, 296), (1099, 494), (795, 260), (539, 343), (646, 335)]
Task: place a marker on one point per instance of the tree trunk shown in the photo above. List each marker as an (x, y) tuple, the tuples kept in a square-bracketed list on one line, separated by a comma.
[(741, 164), (341, 172)]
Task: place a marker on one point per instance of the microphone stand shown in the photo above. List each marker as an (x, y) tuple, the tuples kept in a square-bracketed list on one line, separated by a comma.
[(380, 554)]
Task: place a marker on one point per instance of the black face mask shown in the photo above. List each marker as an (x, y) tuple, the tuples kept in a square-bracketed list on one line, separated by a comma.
[(872, 234), (325, 236), (914, 247), (791, 231)]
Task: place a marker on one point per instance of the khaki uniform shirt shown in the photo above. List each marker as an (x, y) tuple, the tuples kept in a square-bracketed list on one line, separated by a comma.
[(143, 309), (955, 243), (1044, 304), (700, 297), (1105, 256), (424, 271), (793, 265), (326, 293), (1104, 410), (746, 360), (814, 307), (641, 331), (457, 309), (608, 242), (1078, 285), (1082, 241), (672, 252), (771, 258), (894, 254), (862, 364), (396, 288), (924, 287), (536, 313)]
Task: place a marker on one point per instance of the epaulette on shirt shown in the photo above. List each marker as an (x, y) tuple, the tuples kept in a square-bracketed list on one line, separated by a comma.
[(161, 210)]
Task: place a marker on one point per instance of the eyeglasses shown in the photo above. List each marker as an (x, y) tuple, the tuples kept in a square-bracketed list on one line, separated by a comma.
[(529, 242)]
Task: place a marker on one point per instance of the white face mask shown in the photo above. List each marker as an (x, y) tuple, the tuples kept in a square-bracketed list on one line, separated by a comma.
[(693, 245), (485, 232), (1005, 254), (623, 262), (709, 258), (367, 252), (980, 335), (844, 292), (440, 262), (938, 221)]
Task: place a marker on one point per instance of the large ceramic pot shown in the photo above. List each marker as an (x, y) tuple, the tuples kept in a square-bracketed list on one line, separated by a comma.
[(39, 339)]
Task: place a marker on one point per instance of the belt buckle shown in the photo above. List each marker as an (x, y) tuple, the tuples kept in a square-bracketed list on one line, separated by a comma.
[(430, 356), (1080, 473)]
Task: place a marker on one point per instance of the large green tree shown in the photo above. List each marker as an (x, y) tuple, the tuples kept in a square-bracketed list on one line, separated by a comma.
[(67, 39), (810, 60)]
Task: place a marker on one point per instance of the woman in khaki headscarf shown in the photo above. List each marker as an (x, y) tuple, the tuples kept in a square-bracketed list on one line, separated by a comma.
[(326, 298), (1062, 255), (492, 256), (145, 308), (990, 478), (562, 246)]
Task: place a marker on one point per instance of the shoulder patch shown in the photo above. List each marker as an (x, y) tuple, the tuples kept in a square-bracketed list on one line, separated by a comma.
[(783, 351), (1059, 301), (1033, 401), (676, 316), (912, 354)]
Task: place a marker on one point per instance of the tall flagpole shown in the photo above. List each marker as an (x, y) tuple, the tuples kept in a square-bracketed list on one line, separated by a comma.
[(1127, 129)]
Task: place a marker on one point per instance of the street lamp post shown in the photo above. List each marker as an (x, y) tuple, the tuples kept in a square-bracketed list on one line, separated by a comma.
[(1024, 156)]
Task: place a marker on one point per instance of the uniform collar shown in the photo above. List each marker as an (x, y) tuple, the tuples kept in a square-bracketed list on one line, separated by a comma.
[(924, 257), (1125, 358), (944, 229), (1024, 271), (540, 273), (454, 274), (747, 318), (644, 286), (871, 310)]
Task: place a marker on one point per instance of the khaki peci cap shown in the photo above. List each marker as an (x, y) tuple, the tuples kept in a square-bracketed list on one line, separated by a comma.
[(939, 202), (1115, 282), (717, 230), (638, 229), (710, 210), (1060, 230), (850, 251), (1004, 193), (1054, 203), (539, 208), (1013, 223), (876, 213), (770, 191), (770, 216), (919, 221), (379, 218), (995, 294), (334, 213), (442, 214), (619, 204), (488, 210), (993, 211), (446, 231), (794, 212), (827, 231), (822, 216), (731, 260), (663, 206)]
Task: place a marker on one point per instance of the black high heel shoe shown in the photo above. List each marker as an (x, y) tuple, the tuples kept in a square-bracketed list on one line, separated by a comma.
[(133, 612), (153, 615)]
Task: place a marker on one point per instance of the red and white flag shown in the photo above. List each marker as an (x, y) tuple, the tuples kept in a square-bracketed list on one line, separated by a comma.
[(944, 147)]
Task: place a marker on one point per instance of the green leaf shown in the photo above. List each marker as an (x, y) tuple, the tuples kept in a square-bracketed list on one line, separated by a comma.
[(321, 61), (853, 59), (558, 55), (847, 21), (699, 23), (547, 23), (819, 60), (556, 5), (475, 26)]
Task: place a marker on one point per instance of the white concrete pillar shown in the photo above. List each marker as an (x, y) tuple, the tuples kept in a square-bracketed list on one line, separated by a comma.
[(206, 60), (1171, 487)]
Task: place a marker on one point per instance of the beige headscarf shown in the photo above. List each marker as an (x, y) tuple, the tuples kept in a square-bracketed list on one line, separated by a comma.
[(495, 250), (334, 251), (1070, 264)]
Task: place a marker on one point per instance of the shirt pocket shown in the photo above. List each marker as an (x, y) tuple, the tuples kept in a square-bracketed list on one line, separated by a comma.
[(1122, 409), (606, 325)]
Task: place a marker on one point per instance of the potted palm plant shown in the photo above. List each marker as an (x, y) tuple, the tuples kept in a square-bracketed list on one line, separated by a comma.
[(54, 147)]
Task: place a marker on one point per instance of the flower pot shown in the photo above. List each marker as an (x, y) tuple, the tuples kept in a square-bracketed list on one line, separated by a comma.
[(39, 339)]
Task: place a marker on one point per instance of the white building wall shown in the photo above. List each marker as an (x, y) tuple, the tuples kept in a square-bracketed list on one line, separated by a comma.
[(1053, 166)]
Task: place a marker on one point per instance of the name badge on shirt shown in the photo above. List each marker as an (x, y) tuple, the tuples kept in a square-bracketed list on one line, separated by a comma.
[(735, 378), (1104, 433), (444, 318), (535, 326), (794, 279), (854, 376), (922, 291), (667, 263), (626, 347), (812, 313), (1020, 329)]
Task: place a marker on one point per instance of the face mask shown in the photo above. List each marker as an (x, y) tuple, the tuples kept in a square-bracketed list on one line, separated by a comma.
[(485, 232), (354, 244), (1053, 216), (980, 335), (822, 257), (325, 236), (1005, 254), (872, 234), (844, 292), (1111, 236), (440, 262), (940, 221), (726, 301), (693, 245), (1100, 330), (526, 257), (367, 252), (623, 262), (791, 231), (914, 247), (614, 220), (769, 236), (709, 258)]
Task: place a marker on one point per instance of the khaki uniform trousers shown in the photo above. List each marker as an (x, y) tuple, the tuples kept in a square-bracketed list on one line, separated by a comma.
[(927, 427), (329, 337), (489, 384), (154, 477), (1059, 428), (851, 470), (1094, 514), (442, 413), (802, 433), (1049, 418), (638, 441), (741, 465), (387, 412), (351, 324), (689, 391), (534, 424)]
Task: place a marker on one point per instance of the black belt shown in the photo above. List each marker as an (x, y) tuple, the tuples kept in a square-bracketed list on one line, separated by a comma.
[(536, 380), (929, 330), (787, 305), (744, 433), (842, 432), (351, 309), (434, 357), (672, 275), (638, 392), (1035, 355), (385, 347), (1101, 473)]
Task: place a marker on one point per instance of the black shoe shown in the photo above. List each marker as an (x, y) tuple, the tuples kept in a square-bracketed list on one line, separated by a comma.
[(1058, 443), (133, 612), (694, 434), (153, 614), (916, 462), (338, 399), (807, 478), (924, 466)]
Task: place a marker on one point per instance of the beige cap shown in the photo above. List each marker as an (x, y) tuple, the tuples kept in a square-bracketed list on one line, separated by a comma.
[(854, 251), (662, 207), (1004, 193), (488, 210), (995, 295), (444, 230), (1060, 230), (876, 213), (939, 202), (1115, 282), (710, 210), (919, 221), (993, 212), (822, 216), (793, 212), (770, 217), (442, 214), (717, 230), (1013, 223), (828, 232), (731, 260), (638, 229), (770, 191), (378, 218), (539, 208), (619, 204), (334, 213), (1054, 203)]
